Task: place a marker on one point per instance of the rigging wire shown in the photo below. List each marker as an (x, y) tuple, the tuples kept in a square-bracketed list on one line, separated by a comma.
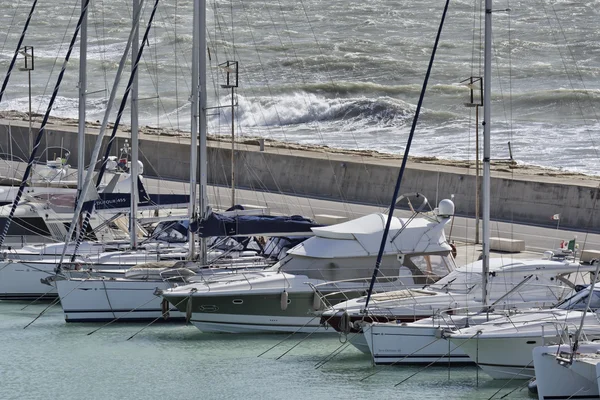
[(404, 160)]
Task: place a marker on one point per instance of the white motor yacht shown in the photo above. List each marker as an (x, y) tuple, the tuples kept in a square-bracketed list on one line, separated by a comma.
[(335, 264)]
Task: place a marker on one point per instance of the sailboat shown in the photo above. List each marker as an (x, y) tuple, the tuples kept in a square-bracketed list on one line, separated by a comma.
[(131, 296), (562, 372), (570, 370), (21, 279), (475, 288)]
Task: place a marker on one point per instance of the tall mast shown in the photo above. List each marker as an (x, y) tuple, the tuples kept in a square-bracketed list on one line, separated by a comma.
[(134, 170), (487, 91), (82, 99), (203, 163), (86, 192), (194, 122)]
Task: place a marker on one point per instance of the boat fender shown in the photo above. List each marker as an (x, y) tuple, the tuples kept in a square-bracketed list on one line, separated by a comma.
[(453, 249), (317, 301), (284, 300), (188, 310), (345, 323), (532, 387), (164, 306)]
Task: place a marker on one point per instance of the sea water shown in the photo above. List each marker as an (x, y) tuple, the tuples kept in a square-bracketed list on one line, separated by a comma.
[(51, 359), (339, 73)]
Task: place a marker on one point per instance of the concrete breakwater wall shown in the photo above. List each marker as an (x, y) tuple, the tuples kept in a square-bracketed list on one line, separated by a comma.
[(520, 195)]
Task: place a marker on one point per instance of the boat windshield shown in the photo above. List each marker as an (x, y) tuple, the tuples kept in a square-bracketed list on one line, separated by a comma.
[(172, 231), (579, 301), (432, 264), (458, 281)]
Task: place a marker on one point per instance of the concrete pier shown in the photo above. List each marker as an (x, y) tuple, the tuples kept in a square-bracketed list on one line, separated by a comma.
[(520, 195)]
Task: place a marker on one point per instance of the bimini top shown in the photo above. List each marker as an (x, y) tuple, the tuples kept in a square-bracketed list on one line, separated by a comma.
[(361, 237)]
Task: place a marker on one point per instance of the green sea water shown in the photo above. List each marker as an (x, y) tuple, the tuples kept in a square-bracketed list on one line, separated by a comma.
[(54, 360)]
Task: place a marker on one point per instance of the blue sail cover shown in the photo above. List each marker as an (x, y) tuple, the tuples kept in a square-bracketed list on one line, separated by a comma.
[(247, 225)]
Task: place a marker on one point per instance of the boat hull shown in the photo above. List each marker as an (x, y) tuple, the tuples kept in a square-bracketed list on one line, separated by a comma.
[(398, 344), (561, 380), (22, 280), (101, 300), (254, 312), (492, 355), (220, 323)]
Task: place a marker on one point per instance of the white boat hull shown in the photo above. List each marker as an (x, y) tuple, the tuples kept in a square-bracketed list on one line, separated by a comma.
[(400, 344), (21, 280), (492, 354), (222, 323), (99, 300), (561, 380)]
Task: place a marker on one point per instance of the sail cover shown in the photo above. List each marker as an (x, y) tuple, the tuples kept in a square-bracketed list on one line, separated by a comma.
[(245, 225)]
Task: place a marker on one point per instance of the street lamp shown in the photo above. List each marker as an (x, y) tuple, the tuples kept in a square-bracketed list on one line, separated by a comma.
[(232, 81), (474, 83), (27, 52)]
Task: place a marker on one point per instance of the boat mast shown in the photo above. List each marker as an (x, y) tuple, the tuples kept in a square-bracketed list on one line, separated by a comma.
[(487, 90), (203, 162), (134, 170), (194, 124), (86, 192), (82, 86)]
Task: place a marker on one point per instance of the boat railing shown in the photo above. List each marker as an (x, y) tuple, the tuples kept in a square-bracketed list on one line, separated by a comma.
[(349, 293)]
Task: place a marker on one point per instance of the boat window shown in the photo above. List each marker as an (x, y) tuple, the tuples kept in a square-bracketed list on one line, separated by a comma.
[(172, 231), (579, 301), (26, 226), (458, 281), (431, 265)]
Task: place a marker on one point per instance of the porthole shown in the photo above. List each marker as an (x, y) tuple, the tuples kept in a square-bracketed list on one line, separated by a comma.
[(238, 301)]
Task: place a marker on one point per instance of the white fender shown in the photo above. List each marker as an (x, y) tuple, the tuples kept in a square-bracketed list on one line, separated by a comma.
[(284, 300)]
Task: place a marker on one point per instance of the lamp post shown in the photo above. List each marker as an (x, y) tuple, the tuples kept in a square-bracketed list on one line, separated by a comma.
[(232, 80), (27, 52), (472, 84)]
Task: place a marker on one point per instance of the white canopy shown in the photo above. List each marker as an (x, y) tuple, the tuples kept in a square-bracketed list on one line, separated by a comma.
[(361, 237)]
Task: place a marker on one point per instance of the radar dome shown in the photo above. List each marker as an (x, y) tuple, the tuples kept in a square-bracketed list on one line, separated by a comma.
[(446, 208)]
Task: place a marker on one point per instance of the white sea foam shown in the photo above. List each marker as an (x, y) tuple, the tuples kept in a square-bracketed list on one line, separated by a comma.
[(344, 76)]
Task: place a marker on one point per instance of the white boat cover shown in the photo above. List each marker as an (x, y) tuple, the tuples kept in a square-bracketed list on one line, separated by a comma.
[(362, 238)]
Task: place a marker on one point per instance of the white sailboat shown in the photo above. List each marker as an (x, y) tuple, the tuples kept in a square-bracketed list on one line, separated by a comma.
[(562, 373), (22, 278), (389, 332), (503, 347), (515, 333)]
